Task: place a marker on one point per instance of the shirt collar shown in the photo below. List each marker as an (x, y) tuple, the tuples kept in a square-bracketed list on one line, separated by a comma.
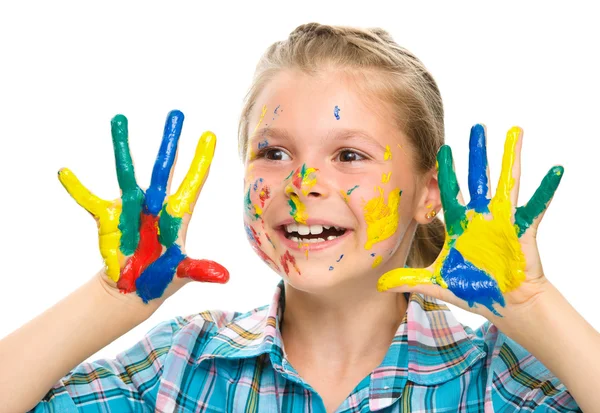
[(430, 346)]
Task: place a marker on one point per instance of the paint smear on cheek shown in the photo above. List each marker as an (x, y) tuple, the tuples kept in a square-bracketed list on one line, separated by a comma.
[(347, 193), (255, 209), (255, 243), (386, 178), (381, 217), (377, 261), (388, 153)]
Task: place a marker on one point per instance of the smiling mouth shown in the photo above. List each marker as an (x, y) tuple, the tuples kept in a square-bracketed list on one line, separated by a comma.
[(311, 234)]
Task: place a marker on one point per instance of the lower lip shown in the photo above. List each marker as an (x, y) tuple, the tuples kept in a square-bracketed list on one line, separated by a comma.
[(317, 246)]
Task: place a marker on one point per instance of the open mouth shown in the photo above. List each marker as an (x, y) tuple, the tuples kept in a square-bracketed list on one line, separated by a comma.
[(311, 234)]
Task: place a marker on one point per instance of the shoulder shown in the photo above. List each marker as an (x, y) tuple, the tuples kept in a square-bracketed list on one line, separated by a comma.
[(513, 376)]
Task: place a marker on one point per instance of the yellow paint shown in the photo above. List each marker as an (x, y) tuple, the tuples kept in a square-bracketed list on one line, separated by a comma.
[(400, 146), (386, 178), (377, 261), (429, 206), (493, 244), (262, 115), (308, 180), (381, 218), (388, 153), (107, 215), (181, 202), (345, 195), (300, 214)]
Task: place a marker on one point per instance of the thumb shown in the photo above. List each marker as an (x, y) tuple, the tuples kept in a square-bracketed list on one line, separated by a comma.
[(202, 270)]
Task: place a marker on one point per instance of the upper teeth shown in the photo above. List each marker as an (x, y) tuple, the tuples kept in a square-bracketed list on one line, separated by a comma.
[(307, 229)]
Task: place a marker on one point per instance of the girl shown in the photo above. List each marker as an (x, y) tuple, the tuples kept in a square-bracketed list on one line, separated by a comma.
[(342, 137)]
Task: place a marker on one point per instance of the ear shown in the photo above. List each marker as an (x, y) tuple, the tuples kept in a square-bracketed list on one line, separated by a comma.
[(428, 202)]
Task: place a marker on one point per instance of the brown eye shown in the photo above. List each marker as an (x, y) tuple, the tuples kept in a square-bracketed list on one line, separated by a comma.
[(275, 154), (350, 156)]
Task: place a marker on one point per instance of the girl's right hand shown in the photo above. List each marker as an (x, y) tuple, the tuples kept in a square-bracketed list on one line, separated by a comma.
[(142, 236)]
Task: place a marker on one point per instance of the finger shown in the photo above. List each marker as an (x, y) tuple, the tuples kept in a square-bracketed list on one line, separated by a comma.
[(508, 184), (155, 194), (94, 205), (528, 214), (183, 200), (132, 196), (454, 211), (478, 171), (203, 271)]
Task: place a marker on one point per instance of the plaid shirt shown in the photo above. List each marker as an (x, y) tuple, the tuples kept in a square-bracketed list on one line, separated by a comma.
[(219, 361)]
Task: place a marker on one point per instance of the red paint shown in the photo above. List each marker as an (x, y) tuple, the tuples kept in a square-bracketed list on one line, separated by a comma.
[(265, 193), (297, 178), (255, 235), (202, 270), (148, 250), (287, 258)]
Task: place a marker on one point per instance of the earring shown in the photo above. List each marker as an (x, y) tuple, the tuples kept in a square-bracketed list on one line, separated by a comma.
[(431, 214)]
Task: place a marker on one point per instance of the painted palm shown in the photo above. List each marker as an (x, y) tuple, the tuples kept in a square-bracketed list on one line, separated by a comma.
[(483, 255), (142, 234)]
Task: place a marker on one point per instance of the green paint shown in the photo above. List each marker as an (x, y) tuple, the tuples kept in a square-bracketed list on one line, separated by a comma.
[(289, 176), (526, 214), (352, 189), (168, 227), (303, 171), (248, 205), (294, 209), (132, 196), (454, 212)]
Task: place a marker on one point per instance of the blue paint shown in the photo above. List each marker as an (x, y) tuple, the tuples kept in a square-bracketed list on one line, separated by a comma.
[(470, 283), (255, 186), (276, 109), (336, 112), (372, 254), (155, 194), (478, 182), (330, 268), (249, 233), (263, 144), (339, 259), (153, 282)]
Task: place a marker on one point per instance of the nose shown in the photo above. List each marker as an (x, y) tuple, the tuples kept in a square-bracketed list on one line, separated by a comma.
[(305, 183)]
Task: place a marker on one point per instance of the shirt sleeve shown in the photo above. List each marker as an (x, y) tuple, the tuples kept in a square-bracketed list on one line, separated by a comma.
[(517, 381), (127, 383)]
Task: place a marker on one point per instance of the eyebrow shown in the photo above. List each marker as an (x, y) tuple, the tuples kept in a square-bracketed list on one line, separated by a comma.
[(333, 134)]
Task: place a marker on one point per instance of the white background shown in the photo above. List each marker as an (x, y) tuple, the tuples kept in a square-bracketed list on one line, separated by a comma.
[(68, 68)]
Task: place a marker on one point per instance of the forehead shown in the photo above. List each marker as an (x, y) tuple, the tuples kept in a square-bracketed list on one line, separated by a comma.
[(329, 99)]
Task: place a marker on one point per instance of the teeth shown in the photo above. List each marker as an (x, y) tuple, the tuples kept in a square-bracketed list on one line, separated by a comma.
[(295, 239), (291, 228), (303, 230), (329, 238), (326, 227), (316, 229)]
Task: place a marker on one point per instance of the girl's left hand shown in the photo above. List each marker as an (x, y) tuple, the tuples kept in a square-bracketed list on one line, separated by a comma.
[(490, 264)]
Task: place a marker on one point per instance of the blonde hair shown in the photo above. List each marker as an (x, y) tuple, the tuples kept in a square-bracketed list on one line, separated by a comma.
[(403, 82)]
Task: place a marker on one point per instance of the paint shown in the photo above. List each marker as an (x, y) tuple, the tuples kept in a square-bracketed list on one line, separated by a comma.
[(478, 182), (262, 115), (526, 214), (454, 213), (336, 112), (148, 250), (168, 228), (202, 270), (132, 197), (386, 178), (289, 176), (181, 202), (377, 261), (298, 209), (388, 153), (351, 189), (255, 243), (106, 213), (339, 259), (381, 217), (157, 191), (276, 109), (304, 178), (153, 282), (330, 268), (263, 144), (287, 259)]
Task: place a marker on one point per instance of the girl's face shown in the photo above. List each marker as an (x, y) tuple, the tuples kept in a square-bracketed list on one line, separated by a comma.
[(330, 188)]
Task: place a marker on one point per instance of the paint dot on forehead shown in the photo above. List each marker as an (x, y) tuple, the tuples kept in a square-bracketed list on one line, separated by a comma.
[(336, 112)]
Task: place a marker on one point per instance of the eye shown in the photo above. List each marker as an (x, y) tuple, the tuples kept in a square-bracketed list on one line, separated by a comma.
[(348, 155), (274, 154)]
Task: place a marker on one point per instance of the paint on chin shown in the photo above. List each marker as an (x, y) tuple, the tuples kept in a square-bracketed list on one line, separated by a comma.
[(288, 259), (381, 217)]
